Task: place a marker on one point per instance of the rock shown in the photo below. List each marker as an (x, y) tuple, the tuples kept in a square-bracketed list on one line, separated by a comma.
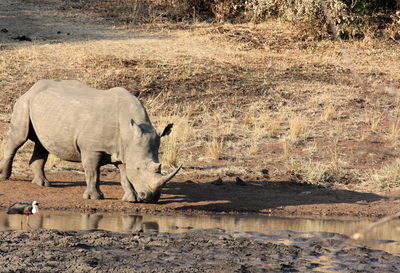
[(265, 173), (217, 182), (240, 182), (22, 38)]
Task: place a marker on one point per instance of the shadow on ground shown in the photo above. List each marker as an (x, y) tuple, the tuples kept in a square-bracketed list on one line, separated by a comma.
[(257, 196)]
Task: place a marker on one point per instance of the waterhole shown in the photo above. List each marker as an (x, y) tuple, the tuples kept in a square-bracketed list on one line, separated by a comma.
[(385, 237)]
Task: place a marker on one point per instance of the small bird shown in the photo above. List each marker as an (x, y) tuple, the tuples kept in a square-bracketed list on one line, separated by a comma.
[(24, 208)]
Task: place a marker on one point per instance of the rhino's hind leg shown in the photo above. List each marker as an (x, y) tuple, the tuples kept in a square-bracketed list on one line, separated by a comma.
[(17, 136), (10, 148), (129, 195), (91, 164), (37, 162)]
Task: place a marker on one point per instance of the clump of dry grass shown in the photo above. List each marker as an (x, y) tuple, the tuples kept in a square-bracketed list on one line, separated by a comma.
[(386, 177), (298, 128), (315, 173), (286, 149), (329, 113), (215, 148), (170, 151), (266, 124), (176, 145), (52, 161)]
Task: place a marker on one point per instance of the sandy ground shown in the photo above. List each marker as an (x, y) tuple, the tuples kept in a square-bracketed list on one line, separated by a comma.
[(183, 196)]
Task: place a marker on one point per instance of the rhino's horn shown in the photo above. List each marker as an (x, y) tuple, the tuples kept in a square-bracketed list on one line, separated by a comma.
[(161, 183)]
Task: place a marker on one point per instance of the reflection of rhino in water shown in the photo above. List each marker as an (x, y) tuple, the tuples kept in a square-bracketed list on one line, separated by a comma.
[(96, 127), (124, 223)]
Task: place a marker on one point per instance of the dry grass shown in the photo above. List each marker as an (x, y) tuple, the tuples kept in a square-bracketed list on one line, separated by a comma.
[(315, 173), (298, 129), (329, 113), (52, 161), (387, 177), (215, 148), (170, 150), (235, 96)]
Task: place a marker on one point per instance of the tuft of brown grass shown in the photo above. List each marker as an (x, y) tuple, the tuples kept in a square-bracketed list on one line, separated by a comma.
[(298, 128), (215, 148), (315, 173), (329, 113), (52, 161), (286, 149), (170, 151), (387, 177)]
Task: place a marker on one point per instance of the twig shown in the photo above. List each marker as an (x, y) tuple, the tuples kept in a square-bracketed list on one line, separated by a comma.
[(360, 234)]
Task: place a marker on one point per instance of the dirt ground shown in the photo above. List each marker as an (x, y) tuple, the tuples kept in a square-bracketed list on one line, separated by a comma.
[(183, 196), (57, 251)]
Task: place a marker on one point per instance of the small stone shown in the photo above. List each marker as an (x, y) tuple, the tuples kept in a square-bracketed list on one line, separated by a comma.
[(145, 247), (240, 182), (217, 182), (265, 173), (23, 38)]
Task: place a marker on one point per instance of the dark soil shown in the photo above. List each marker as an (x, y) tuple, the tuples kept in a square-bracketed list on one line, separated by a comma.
[(195, 251)]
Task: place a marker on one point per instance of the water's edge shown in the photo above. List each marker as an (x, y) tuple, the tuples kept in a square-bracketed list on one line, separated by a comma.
[(385, 237)]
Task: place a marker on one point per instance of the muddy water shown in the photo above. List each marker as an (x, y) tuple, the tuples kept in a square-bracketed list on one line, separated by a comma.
[(385, 237)]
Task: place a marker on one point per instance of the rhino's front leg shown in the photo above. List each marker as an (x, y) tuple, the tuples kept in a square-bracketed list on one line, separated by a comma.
[(91, 164), (129, 195)]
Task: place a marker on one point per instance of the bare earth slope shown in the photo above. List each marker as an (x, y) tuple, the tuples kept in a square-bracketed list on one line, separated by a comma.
[(176, 72)]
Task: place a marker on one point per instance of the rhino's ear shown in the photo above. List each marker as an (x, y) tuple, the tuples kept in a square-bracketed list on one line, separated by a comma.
[(167, 130), (136, 129)]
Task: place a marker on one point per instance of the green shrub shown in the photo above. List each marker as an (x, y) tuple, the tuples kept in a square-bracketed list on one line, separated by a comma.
[(369, 7)]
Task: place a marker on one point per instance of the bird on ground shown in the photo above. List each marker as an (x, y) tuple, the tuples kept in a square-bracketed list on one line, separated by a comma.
[(24, 208)]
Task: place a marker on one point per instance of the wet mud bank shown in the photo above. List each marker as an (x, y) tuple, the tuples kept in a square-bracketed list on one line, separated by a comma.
[(193, 251)]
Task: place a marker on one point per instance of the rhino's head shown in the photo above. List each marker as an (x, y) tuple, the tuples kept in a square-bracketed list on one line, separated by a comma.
[(142, 164)]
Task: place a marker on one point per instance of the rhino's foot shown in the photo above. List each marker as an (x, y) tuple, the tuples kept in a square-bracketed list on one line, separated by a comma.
[(129, 197), (93, 195), (4, 176), (4, 173), (41, 182)]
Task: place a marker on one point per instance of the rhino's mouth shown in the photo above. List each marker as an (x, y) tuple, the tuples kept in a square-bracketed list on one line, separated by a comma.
[(150, 198)]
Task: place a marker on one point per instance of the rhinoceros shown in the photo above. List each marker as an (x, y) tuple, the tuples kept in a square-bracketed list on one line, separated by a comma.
[(79, 123)]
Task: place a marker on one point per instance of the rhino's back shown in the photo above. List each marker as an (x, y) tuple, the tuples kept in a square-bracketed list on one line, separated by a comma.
[(68, 116)]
